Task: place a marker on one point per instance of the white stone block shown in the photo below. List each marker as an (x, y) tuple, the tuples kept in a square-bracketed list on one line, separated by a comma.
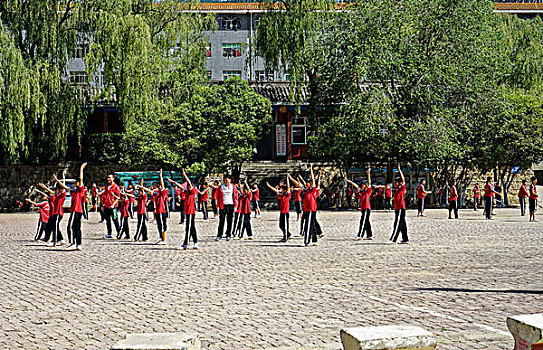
[(527, 331), (159, 341), (388, 337)]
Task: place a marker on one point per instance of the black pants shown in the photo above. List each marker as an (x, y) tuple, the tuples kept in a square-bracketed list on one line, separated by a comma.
[(74, 228), (309, 228), (387, 202), (214, 206), (488, 208), (85, 210), (55, 228), (108, 214), (161, 223), (522, 202), (298, 206), (399, 226), (182, 212), (453, 205), (420, 205), (102, 215), (203, 205), (226, 214), (365, 226), (284, 226), (245, 219), (141, 231), (190, 230), (42, 228), (302, 223), (131, 210), (238, 223), (125, 228)]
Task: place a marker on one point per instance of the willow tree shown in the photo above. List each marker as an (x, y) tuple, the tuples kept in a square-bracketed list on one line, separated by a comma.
[(39, 109)]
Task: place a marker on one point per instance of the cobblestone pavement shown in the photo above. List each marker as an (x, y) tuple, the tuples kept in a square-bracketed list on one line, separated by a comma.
[(457, 278)]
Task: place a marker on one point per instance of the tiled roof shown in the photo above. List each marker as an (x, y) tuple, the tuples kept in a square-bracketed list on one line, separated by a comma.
[(508, 6), (277, 93)]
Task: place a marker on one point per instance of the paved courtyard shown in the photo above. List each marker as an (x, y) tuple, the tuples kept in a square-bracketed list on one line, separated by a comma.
[(457, 278)]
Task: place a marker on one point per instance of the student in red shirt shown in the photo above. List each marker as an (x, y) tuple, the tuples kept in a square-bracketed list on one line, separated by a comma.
[(522, 195), (57, 212), (283, 196), (203, 201), (245, 211), (348, 197), (160, 196), (141, 211), (111, 194), (489, 195), (311, 193), (76, 209), (421, 195), (533, 198), (388, 196), (363, 193), (214, 197), (94, 198), (84, 204), (125, 214), (399, 208), (44, 215), (181, 196), (476, 196), (256, 200), (297, 198), (131, 199), (453, 200)]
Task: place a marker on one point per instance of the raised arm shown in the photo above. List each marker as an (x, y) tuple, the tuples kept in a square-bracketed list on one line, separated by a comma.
[(81, 173), (174, 183), (401, 175), (40, 192), (60, 183), (318, 180), (128, 194), (369, 177), (293, 181), (161, 180), (288, 184), (189, 184), (145, 189), (301, 180), (273, 189), (31, 202), (352, 183), (312, 175)]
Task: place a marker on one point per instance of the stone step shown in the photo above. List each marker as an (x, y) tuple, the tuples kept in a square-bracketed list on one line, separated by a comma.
[(527, 331), (159, 341), (387, 338)]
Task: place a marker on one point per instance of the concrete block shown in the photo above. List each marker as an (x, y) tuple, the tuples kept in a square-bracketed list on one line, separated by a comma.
[(387, 337), (159, 341), (527, 331)]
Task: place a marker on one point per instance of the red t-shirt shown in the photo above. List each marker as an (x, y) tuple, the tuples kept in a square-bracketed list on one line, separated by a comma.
[(533, 189), (58, 202), (77, 200), (522, 193), (204, 197), (94, 192), (160, 201), (476, 191), (399, 197), (488, 190), (297, 195), (256, 195), (453, 194), (310, 199), (388, 193), (44, 211), (109, 199), (214, 193), (85, 194), (284, 202), (364, 196), (131, 199), (142, 210), (349, 192), (190, 197), (124, 208), (245, 203), (420, 192)]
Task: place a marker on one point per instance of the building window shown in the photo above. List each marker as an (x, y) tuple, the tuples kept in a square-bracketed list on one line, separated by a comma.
[(81, 50), (78, 78), (209, 75), (230, 73), (299, 131), (230, 23), (261, 75), (208, 51), (287, 77), (231, 50)]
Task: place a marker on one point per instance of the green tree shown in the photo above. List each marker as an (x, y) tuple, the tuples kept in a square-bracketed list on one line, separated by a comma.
[(39, 109)]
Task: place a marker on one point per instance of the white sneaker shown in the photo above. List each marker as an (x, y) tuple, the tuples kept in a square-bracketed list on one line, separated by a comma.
[(368, 238), (78, 247), (315, 244), (51, 244), (161, 242), (70, 246), (195, 246), (358, 238), (61, 242), (389, 242)]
